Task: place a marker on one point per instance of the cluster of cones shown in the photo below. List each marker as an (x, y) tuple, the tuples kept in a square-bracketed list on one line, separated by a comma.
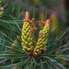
[(42, 23)]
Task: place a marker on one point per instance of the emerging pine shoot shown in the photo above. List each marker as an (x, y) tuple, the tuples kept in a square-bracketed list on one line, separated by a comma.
[(26, 36)]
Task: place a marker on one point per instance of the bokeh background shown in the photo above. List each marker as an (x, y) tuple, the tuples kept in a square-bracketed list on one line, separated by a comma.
[(58, 8)]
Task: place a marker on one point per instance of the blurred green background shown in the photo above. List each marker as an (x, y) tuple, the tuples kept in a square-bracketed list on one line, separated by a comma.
[(18, 8)]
